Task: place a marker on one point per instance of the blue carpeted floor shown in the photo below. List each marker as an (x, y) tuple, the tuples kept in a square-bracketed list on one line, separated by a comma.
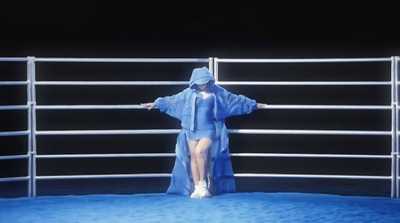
[(231, 208)]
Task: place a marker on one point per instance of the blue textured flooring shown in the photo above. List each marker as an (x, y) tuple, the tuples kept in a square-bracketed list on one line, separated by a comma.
[(236, 207)]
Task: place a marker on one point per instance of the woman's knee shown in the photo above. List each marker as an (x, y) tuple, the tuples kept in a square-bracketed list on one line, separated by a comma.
[(200, 152), (193, 156)]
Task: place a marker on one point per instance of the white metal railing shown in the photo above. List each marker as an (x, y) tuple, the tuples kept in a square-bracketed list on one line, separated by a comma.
[(298, 155), (305, 83), (27, 132), (103, 132), (125, 60), (326, 60), (394, 177), (213, 63), (112, 83)]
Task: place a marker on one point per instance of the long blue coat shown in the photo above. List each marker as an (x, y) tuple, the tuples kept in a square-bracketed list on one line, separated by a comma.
[(182, 107)]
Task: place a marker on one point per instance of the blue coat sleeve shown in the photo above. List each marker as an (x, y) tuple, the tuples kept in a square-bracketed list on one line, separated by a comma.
[(237, 104), (172, 105)]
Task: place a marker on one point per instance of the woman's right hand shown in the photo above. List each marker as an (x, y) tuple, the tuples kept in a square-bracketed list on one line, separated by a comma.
[(149, 105)]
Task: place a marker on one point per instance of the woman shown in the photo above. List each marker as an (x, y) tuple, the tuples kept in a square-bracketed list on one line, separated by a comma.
[(202, 109)]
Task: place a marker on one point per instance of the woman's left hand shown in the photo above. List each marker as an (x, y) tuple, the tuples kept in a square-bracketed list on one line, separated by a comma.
[(261, 105)]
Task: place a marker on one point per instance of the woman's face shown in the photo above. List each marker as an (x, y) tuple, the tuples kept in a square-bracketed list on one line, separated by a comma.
[(202, 87)]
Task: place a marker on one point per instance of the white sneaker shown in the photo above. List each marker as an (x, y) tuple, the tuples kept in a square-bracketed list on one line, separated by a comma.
[(203, 191), (196, 192)]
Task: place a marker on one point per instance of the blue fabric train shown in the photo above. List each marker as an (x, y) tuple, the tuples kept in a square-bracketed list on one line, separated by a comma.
[(182, 107)]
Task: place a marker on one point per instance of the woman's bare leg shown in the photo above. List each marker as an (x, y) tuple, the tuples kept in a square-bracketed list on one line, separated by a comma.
[(201, 150), (193, 161), (198, 160)]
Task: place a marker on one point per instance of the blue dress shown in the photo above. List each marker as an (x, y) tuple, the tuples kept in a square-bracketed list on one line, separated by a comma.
[(203, 122)]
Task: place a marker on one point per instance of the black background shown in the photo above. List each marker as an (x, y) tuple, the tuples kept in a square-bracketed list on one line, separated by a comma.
[(203, 29), (197, 30)]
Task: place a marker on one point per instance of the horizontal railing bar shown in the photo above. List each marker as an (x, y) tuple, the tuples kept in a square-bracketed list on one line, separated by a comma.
[(14, 59), (14, 157), (153, 175), (110, 132), (350, 107), (314, 176), (299, 83), (307, 132), (12, 179), (234, 131), (299, 155), (287, 83), (220, 60), (134, 155), (123, 155), (111, 83), (141, 60), (14, 82), (67, 107), (327, 60), (15, 133), (103, 176), (14, 107)]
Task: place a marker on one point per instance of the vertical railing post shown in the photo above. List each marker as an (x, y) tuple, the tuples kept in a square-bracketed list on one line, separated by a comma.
[(394, 127), (215, 60), (211, 64), (395, 67), (29, 103), (32, 126)]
